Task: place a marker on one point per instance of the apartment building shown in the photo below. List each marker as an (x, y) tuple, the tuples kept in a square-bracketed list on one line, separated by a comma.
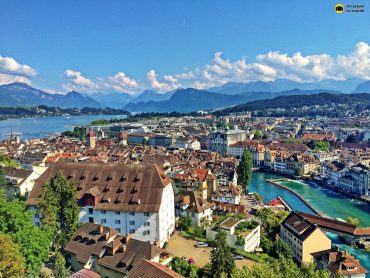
[(303, 237), (133, 199)]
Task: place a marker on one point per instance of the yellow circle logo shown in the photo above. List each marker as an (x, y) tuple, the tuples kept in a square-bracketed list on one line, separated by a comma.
[(339, 8)]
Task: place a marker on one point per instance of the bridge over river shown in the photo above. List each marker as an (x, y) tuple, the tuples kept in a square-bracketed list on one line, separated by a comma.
[(350, 233)]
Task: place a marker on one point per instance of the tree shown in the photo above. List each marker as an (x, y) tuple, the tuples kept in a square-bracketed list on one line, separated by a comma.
[(283, 267), (184, 222), (16, 221), (271, 220), (59, 209), (322, 146), (244, 169), (7, 162), (280, 248), (60, 270), (11, 260), (353, 220), (184, 268), (221, 257), (2, 178)]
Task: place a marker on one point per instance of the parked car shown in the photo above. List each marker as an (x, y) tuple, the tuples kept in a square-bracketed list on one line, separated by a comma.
[(201, 244), (237, 257)]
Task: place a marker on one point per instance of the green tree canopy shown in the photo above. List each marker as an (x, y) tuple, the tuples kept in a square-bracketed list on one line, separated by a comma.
[(244, 169), (353, 220), (184, 222), (11, 259), (59, 209), (60, 270), (319, 146), (222, 261), (5, 161), (16, 221), (281, 268)]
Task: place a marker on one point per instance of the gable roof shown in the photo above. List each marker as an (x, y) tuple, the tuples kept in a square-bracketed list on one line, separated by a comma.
[(147, 269), (115, 186)]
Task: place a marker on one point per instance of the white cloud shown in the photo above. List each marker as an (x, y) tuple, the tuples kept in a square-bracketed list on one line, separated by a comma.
[(12, 71), (162, 86), (10, 66), (274, 65), (77, 82), (119, 82), (8, 78)]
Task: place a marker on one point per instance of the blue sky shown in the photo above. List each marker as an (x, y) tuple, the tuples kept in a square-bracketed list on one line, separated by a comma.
[(128, 46)]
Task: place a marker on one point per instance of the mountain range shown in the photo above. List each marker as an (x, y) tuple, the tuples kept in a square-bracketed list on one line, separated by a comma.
[(20, 94), (190, 100), (299, 101), (181, 100)]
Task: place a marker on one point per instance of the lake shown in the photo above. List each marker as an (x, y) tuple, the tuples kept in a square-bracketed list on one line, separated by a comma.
[(31, 128)]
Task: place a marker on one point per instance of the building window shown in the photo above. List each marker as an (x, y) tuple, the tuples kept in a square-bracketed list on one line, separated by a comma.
[(118, 230), (91, 219), (132, 213), (146, 233), (118, 212), (103, 212), (91, 210), (118, 221), (146, 213), (103, 221), (132, 231), (132, 223), (147, 224)]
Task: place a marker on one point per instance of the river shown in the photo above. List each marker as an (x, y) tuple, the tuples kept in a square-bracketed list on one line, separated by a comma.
[(39, 127), (331, 203)]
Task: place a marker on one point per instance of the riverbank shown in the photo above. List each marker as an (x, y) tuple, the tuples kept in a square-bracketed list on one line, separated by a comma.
[(329, 203), (318, 183)]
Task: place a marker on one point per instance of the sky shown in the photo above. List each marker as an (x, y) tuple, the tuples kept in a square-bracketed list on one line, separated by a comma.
[(129, 46)]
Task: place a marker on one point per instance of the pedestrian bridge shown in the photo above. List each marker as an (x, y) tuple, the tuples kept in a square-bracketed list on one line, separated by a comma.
[(349, 232)]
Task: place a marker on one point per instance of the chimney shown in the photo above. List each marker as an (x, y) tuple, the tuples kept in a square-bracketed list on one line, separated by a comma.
[(127, 238), (100, 229), (157, 244), (107, 235)]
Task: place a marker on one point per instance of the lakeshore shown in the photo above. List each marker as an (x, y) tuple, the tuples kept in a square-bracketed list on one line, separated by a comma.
[(39, 127)]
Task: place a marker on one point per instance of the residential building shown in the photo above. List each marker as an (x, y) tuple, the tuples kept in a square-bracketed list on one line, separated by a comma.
[(133, 199), (147, 268), (107, 252), (303, 237), (240, 233), (227, 194), (190, 144), (339, 263), (193, 204), (19, 181)]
